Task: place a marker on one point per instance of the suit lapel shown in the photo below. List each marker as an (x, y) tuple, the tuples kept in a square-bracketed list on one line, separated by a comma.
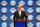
[(21, 13), (17, 13)]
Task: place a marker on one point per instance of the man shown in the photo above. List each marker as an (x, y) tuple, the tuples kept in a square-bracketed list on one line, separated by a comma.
[(20, 15)]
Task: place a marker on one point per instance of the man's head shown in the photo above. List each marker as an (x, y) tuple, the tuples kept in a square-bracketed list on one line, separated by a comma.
[(19, 7)]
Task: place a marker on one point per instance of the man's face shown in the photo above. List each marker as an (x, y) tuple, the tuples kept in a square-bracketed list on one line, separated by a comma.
[(19, 8)]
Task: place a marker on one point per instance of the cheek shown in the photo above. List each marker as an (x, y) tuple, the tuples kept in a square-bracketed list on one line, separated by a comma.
[(19, 8)]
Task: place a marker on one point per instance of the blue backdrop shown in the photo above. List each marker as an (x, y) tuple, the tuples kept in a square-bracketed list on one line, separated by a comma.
[(8, 14)]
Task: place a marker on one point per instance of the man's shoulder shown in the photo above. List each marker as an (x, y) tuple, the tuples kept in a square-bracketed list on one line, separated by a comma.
[(23, 11), (15, 11)]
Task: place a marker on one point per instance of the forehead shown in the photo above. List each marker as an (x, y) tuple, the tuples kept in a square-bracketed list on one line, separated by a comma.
[(19, 5)]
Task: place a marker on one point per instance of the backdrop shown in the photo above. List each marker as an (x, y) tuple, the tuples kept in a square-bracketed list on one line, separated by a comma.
[(8, 14)]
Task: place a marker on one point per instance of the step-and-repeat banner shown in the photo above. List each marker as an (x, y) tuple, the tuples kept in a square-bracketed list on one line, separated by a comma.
[(8, 7)]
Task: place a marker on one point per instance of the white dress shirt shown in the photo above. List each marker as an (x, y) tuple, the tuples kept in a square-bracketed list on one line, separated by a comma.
[(19, 13)]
